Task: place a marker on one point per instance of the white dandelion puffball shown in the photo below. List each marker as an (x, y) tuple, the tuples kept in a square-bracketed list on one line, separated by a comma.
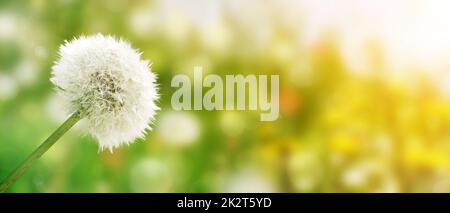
[(105, 80)]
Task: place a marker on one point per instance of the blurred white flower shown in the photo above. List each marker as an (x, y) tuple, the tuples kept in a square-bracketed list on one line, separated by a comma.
[(26, 73), (8, 87), (249, 180), (143, 22), (443, 83), (105, 80), (150, 175), (370, 175), (178, 128), (9, 24), (303, 167), (356, 176), (21, 65)]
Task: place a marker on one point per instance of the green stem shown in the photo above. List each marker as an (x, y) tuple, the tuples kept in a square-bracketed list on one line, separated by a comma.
[(74, 118)]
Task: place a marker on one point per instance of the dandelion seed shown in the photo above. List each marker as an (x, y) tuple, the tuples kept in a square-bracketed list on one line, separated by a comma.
[(104, 81), (113, 89)]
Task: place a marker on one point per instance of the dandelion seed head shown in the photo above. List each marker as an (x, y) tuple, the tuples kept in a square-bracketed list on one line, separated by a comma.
[(105, 80)]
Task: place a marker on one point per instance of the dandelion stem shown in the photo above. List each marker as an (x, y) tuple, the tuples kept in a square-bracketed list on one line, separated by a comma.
[(74, 118)]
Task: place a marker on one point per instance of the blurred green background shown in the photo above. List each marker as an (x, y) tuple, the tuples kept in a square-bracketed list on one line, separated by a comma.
[(364, 96)]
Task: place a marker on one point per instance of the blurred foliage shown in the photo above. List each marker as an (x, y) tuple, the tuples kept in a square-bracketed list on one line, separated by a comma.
[(337, 131)]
